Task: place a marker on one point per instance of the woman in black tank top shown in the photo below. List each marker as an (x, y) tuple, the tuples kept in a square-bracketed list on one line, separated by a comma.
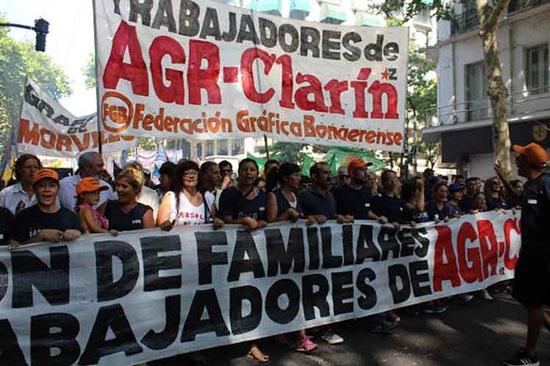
[(126, 213), (282, 204)]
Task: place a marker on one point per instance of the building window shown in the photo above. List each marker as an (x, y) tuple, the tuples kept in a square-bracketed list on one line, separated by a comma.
[(477, 106), (199, 150), (537, 69), (237, 147), (186, 149), (222, 147), (209, 148)]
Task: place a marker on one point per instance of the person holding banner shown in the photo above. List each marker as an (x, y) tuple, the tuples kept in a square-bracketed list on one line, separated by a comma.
[(125, 213), (21, 195), (6, 225), (244, 204), (185, 205), (438, 208), (353, 198), (91, 220), (147, 196), (46, 221), (494, 194), (282, 203), (532, 274)]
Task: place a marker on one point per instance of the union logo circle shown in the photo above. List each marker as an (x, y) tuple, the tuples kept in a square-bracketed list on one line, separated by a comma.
[(116, 117)]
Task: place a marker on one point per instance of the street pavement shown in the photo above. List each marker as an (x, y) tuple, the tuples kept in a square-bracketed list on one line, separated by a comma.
[(479, 333)]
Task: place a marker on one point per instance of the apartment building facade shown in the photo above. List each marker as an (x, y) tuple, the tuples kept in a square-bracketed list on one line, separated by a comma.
[(464, 118)]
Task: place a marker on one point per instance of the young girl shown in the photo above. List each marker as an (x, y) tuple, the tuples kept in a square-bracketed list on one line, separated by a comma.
[(91, 220)]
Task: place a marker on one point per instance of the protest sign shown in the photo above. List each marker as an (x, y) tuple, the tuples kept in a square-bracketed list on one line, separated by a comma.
[(151, 294), (207, 70), (46, 128)]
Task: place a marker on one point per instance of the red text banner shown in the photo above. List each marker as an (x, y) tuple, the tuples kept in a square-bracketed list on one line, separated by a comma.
[(152, 294), (46, 128), (206, 70)]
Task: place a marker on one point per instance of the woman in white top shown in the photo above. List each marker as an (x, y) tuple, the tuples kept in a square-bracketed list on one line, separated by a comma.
[(185, 204)]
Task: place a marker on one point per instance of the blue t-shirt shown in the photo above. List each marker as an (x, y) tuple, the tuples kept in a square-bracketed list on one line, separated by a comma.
[(313, 203), (232, 203)]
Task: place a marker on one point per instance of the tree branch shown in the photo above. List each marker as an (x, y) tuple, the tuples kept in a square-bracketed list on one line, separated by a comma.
[(498, 12)]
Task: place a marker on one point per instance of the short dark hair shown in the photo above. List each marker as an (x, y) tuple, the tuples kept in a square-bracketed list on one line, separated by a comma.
[(225, 163), (205, 167), (287, 169), (471, 179), (20, 163), (315, 167), (248, 160), (270, 161), (167, 168)]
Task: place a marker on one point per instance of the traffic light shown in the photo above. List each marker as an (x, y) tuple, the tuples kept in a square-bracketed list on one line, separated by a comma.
[(41, 27)]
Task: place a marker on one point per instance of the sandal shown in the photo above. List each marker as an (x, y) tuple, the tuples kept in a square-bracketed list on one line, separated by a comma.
[(257, 355)]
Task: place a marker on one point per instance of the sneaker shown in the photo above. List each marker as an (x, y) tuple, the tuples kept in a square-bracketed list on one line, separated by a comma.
[(435, 309), (305, 344), (384, 327), (485, 295), (522, 358), (332, 338)]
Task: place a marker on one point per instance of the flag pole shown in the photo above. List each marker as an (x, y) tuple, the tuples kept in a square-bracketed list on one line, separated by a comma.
[(98, 97)]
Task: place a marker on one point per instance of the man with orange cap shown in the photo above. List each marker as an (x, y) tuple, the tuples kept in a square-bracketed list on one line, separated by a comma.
[(46, 221), (532, 276), (353, 197)]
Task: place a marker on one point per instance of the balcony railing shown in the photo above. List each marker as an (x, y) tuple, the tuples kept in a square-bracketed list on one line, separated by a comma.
[(465, 22)]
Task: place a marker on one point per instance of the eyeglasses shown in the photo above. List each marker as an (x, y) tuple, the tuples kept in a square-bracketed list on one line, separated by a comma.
[(191, 173)]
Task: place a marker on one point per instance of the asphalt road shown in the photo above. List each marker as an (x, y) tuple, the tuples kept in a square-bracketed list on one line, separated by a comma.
[(480, 333)]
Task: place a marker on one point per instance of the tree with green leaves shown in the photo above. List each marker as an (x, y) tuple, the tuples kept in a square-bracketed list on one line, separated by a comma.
[(491, 14), (17, 60)]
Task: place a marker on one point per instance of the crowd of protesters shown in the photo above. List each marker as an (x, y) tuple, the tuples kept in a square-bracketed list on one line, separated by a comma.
[(39, 206)]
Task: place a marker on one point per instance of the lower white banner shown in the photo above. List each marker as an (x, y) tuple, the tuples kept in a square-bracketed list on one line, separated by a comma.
[(147, 295)]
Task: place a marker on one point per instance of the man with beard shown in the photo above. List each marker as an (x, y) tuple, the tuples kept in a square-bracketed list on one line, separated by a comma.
[(353, 198), (532, 275), (90, 164), (46, 221)]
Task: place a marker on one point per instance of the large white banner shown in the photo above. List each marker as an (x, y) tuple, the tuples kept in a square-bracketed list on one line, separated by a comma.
[(46, 128), (151, 294), (207, 70)]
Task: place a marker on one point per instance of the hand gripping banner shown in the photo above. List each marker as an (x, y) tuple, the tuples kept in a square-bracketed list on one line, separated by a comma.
[(206, 70), (151, 294)]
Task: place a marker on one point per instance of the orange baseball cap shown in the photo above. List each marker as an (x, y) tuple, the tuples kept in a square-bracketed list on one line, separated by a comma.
[(534, 153), (357, 163), (45, 174), (89, 184)]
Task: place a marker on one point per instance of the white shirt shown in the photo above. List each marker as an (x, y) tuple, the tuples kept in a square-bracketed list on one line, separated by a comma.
[(12, 195), (187, 213), (149, 197), (67, 192)]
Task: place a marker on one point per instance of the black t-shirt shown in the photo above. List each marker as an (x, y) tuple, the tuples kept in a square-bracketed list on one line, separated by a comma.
[(496, 203), (390, 207), (6, 225), (282, 203), (535, 212), (466, 203), (313, 203), (31, 220), (355, 202), (232, 203), (121, 221), (412, 213)]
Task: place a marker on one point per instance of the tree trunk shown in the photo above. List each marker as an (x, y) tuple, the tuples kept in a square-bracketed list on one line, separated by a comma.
[(489, 20)]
